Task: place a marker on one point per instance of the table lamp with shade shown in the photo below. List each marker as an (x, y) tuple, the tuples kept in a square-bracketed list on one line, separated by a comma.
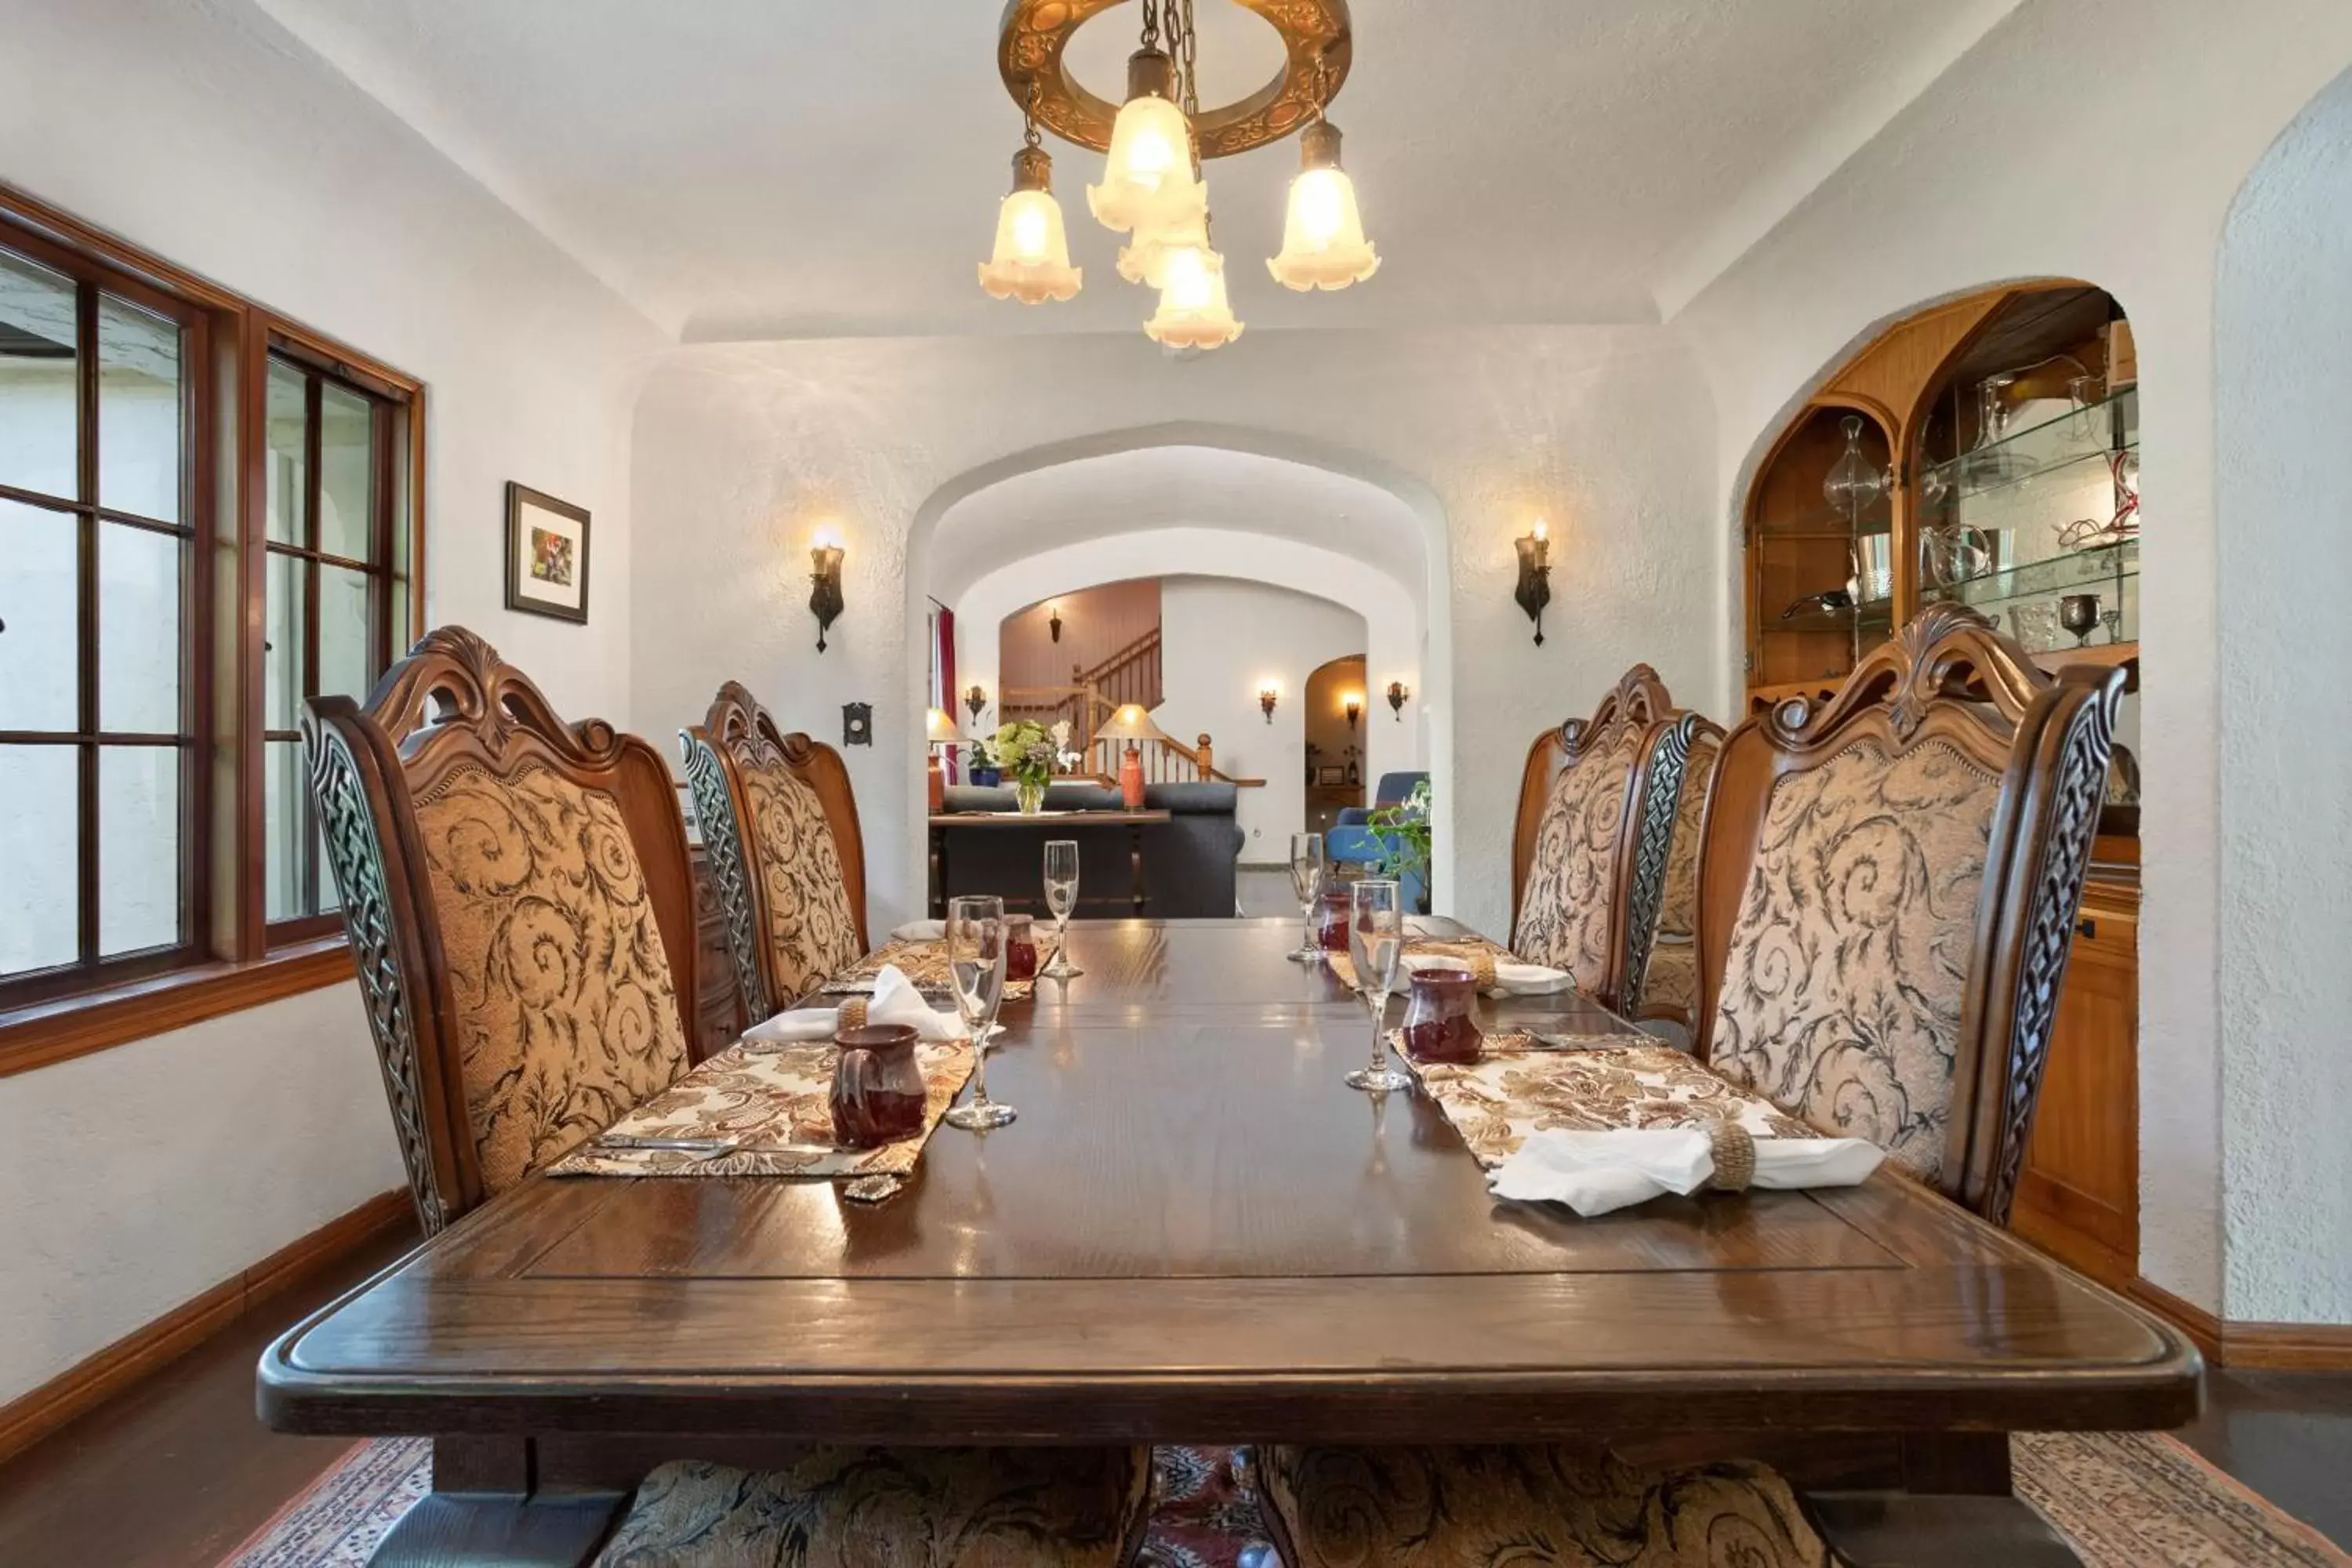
[(938, 730), (1130, 723)]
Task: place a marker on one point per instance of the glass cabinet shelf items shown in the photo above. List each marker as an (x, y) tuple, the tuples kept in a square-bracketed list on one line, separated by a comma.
[(2097, 433)]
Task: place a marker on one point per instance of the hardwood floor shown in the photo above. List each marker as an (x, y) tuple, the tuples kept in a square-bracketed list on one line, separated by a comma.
[(174, 1472)]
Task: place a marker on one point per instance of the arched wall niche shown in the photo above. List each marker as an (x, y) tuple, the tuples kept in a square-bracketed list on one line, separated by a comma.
[(2283, 402)]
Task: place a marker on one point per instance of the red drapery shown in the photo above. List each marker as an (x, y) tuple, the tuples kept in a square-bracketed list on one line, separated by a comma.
[(944, 696)]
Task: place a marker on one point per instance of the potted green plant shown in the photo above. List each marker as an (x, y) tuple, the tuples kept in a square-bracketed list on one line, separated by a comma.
[(979, 767), (1402, 832)]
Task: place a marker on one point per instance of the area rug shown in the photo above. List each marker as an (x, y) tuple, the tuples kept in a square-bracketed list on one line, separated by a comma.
[(2125, 1499)]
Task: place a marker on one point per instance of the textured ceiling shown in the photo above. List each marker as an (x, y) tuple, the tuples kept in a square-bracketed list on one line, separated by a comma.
[(746, 169)]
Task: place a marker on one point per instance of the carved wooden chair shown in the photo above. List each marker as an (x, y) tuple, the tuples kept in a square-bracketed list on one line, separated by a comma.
[(1887, 891), (521, 908), (786, 855), (1662, 979), (1593, 845)]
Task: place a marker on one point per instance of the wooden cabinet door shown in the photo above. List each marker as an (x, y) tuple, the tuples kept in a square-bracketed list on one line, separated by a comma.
[(2079, 1196)]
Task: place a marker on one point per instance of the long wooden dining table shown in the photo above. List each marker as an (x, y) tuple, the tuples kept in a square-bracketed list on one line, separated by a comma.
[(1196, 1233)]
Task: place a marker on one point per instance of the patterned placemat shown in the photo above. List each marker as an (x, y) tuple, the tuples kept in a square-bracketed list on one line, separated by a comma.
[(1497, 1101), (770, 1096), (1477, 954), (924, 963)]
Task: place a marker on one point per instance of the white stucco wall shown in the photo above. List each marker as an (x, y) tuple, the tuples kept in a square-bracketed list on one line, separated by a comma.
[(2101, 140), (2283, 403), (226, 147), (1605, 430)]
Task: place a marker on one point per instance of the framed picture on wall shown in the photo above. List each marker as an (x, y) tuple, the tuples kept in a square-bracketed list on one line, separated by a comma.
[(547, 555), (1331, 773)]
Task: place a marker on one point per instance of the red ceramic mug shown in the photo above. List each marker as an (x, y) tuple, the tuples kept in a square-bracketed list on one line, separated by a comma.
[(1338, 906), (877, 1086), (1020, 947)]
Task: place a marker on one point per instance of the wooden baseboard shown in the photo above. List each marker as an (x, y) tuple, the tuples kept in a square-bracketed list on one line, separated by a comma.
[(33, 1415), (2288, 1347), (2275, 1347), (2195, 1322)]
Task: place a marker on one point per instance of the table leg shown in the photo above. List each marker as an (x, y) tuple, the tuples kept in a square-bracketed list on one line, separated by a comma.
[(1954, 1510), (1134, 863), (938, 874), (485, 1508)]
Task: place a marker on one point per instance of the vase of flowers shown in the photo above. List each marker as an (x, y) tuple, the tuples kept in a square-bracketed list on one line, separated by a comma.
[(1028, 753)]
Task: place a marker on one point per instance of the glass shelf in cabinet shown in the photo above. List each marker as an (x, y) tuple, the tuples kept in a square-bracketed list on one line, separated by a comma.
[(2097, 432), (2076, 569)]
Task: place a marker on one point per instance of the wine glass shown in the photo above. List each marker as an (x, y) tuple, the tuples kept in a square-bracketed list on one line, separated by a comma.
[(975, 934), (2079, 614), (1307, 882), (2113, 621), (1061, 898), (1376, 942)]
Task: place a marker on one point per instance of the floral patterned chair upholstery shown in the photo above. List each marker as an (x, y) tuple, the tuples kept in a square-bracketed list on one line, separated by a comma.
[(516, 892), (1887, 893), (1596, 821), (521, 905), (1886, 889), (786, 855)]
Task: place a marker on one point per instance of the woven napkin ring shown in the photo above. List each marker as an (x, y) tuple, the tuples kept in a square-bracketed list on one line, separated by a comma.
[(853, 1013), (1479, 960), (1735, 1157)]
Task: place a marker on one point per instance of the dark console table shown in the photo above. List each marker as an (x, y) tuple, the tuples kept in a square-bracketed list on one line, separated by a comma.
[(1095, 831)]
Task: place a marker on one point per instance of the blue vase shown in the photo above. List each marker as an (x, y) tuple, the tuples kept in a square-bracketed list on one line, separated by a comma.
[(987, 778)]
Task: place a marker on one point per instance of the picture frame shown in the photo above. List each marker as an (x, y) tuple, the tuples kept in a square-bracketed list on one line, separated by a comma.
[(547, 555), (1331, 773)]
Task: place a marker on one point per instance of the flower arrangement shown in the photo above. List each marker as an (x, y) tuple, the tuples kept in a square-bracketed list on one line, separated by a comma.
[(1028, 753)]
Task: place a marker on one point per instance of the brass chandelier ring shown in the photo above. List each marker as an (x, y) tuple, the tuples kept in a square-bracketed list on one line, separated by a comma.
[(1034, 33)]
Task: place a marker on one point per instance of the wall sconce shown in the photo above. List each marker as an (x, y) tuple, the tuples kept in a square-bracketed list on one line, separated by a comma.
[(1397, 694), (1534, 591), (1267, 695), (1355, 710), (976, 699), (824, 595), (1054, 619)]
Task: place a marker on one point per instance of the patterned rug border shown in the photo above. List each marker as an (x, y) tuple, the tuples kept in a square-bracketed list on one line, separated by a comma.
[(1202, 1520)]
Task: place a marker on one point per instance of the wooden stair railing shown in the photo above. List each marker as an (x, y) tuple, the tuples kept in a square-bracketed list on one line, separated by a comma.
[(1131, 674)]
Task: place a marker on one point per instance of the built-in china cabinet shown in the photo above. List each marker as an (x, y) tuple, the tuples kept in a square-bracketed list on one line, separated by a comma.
[(1986, 451)]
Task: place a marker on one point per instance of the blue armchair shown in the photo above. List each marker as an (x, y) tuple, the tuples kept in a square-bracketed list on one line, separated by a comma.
[(1353, 841)]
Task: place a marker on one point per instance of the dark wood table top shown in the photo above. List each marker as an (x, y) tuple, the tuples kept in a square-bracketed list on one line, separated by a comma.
[(1196, 1232)]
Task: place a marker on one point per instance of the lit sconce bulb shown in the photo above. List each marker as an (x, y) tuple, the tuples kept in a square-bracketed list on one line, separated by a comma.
[(1543, 529), (826, 537)]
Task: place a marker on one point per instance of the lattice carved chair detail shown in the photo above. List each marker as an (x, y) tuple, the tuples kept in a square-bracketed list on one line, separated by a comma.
[(1662, 980), (1584, 893), (520, 910), (1887, 891), (786, 854)]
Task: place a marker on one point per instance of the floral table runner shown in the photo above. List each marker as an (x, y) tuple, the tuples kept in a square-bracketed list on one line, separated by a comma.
[(1477, 955), (924, 963), (1512, 1091), (766, 1098)]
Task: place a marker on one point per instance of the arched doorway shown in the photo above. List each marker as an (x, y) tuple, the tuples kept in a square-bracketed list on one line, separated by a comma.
[(1336, 777)]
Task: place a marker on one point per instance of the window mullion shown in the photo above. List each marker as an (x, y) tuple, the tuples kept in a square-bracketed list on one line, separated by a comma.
[(313, 450), (86, 596)]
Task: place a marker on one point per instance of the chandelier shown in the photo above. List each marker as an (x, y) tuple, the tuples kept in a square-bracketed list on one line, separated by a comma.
[(1152, 188)]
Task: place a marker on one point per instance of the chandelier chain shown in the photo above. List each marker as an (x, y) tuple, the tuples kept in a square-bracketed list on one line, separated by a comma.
[(1029, 137)]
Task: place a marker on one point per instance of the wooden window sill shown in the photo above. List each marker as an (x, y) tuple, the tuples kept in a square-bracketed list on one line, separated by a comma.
[(48, 1032)]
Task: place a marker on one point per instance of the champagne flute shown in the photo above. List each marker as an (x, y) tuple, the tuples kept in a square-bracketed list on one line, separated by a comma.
[(975, 933), (1376, 942), (1061, 898), (1307, 882)]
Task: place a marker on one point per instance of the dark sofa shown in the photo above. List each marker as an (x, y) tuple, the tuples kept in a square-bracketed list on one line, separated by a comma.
[(1189, 861)]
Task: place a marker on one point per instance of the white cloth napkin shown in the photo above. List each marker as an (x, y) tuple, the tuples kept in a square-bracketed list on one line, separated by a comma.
[(894, 1000), (1510, 979), (1594, 1172), (919, 931)]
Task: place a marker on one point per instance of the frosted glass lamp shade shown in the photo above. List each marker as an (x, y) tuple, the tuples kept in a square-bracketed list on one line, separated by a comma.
[(1032, 259), (1323, 244), (1144, 259), (1148, 175), (1193, 312)]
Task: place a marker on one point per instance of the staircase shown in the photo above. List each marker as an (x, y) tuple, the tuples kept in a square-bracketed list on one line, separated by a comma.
[(1131, 674)]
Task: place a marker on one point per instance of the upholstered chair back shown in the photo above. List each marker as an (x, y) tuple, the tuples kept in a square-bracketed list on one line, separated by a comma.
[(1588, 856), (1665, 983), (785, 855), (520, 910), (1888, 888)]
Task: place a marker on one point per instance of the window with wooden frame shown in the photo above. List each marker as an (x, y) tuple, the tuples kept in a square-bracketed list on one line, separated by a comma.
[(207, 514)]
